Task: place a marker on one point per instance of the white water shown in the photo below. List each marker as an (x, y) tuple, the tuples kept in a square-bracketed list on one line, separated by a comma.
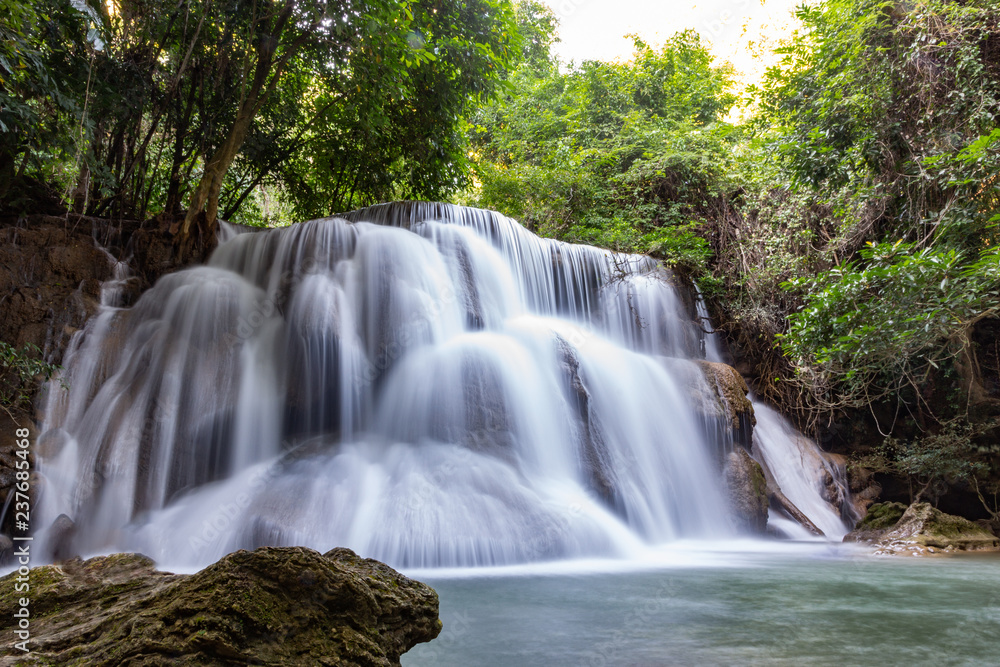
[(439, 389), (798, 467)]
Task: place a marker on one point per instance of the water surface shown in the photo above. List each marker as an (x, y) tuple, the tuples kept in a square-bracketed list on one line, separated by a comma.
[(818, 606)]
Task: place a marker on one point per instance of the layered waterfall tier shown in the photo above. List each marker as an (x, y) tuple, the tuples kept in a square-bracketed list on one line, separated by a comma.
[(426, 384)]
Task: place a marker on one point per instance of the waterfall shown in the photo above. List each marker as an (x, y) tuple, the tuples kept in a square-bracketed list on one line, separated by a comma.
[(805, 476), (429, 385)]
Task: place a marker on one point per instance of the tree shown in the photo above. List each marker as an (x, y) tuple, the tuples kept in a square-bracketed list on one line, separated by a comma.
[(868, 207), (402, 135), (44, 51), (202, 101)]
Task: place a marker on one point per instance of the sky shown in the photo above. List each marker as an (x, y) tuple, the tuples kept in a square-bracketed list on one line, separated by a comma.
[(736, 29)]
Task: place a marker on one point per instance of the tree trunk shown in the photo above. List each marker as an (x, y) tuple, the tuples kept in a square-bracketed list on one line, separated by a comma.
[(204, 205)]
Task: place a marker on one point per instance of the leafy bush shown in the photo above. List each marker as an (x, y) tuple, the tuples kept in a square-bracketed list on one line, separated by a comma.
[(872, 328), (23, 371), (949, 457)]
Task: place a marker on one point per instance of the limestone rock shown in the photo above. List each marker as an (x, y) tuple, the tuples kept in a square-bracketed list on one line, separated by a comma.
[(718, 394), (595, 457), (747, 491), (271, 606), (918, 529)]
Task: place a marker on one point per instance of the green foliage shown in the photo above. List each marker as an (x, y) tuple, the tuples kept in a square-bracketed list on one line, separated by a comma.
[(629, 156), (949, 457), (24, 371), (325, 105), (869, 202), (44, 50), (899, 103), (872, 327), (384, 139)]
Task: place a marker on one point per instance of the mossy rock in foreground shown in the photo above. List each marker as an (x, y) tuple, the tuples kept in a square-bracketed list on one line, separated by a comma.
[(930, 527), (271, 606)]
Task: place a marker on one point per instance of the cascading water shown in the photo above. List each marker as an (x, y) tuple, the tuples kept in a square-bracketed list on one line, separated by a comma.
[(796, 463), (433, 387), (800, 469)]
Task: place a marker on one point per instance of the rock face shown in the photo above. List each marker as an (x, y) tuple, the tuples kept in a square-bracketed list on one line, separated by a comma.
[(733, 407), (864, 489), (271, 606), (876, 522), (894, 528), (747, 491)]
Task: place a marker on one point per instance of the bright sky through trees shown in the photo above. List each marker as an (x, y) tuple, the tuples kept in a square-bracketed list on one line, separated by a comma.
[(596, 29)]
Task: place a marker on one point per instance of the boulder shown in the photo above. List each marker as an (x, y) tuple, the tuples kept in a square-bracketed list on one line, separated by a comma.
[(271, 606), (747, 490), (594, 454), (920, 528), (718, 394)]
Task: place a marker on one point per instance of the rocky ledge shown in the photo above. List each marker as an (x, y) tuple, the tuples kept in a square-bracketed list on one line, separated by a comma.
[(271, 606), (895, 529)]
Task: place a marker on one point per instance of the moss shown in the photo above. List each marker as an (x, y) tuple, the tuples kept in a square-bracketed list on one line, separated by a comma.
[(882, 516), (274, 606), (937, 529), (759, 483)]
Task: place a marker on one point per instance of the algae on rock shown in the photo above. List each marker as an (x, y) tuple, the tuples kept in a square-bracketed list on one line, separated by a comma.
[(747, 489)]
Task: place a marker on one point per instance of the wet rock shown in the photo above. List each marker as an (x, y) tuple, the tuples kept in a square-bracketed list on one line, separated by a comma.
[(920, 528), (747, 490), (11, 421), (718, 395), (594, 455), (864, 489), (732, 406), (876, 522), (992, 525), (272, 606), (6, 550), (61, 536)]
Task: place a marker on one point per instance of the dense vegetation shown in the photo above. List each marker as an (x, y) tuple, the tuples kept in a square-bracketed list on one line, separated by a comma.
[(140, 107), (846, 233), (628, 156)]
